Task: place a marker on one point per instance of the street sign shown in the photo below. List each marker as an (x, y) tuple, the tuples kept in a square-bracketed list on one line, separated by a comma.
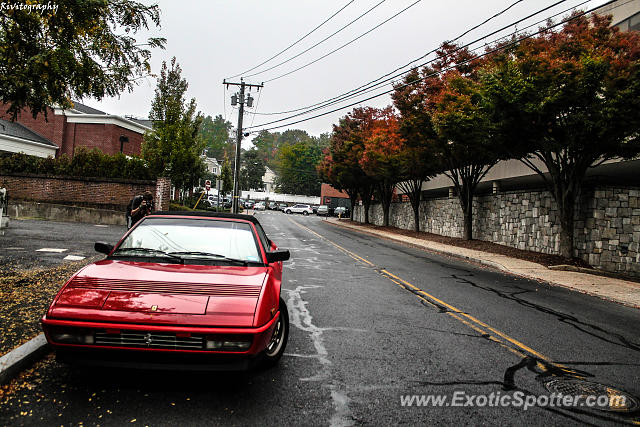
[(207, 185)]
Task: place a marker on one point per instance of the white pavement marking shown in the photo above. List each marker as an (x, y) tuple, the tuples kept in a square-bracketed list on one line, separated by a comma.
[(14, 249), (302, 319), (57, 250), (101, 225), (74, 258)]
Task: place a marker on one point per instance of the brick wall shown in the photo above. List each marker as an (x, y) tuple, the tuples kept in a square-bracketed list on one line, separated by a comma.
[(52, 128), (606, 227), (90, 192)]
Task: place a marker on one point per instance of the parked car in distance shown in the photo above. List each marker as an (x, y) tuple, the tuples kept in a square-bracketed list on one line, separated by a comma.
[(273, 206), (248, 204), (323, 210), (196, 290), (314, 208), (300, 209), (282, 206), (341, 211), (260, 206)]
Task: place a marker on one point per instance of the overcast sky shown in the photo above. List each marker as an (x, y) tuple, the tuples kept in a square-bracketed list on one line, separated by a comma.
[(215, 39)]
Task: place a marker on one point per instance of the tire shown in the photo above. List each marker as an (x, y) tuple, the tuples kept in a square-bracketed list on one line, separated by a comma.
[(305, 213), (288, 212), (278, 342)]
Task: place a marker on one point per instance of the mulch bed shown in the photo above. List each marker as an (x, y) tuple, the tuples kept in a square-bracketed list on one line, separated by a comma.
[(480, 245), (24, 298)]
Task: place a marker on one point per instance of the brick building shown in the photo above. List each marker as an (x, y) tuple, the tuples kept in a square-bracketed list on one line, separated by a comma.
[(65, 130), (333, 198)]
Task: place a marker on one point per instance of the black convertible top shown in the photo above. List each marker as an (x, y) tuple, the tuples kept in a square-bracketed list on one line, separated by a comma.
[(207, 214)]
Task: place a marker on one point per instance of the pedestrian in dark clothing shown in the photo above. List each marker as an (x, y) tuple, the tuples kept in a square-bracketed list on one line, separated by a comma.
[(139, 207)]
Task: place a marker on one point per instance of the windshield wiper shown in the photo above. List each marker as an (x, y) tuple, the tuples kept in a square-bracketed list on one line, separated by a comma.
[(151, 251), (197, 253), (218, 256)]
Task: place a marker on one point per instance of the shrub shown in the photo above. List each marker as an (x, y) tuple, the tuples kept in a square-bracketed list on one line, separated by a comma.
[(85, 163)]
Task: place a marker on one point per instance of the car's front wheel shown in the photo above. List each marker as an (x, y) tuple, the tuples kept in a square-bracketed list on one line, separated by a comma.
[(288, 211), (278, 341)]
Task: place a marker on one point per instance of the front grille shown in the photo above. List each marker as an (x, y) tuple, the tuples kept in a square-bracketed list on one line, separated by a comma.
[(128, 285), (141, 339)]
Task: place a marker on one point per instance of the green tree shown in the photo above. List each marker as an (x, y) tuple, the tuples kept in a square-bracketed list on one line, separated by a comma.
[(226, 175), (215, 134), (567, 101), (173, 147), (297, 168), (267, 145), (253, 170), (50, 56)]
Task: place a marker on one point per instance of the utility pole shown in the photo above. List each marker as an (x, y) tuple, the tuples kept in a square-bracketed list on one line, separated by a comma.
[(236, 173)]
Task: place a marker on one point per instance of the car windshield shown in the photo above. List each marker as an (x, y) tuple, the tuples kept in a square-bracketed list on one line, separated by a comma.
[(193, 238)]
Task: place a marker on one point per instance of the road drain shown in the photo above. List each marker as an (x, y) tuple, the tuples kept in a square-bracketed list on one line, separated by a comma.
[(602, 397)]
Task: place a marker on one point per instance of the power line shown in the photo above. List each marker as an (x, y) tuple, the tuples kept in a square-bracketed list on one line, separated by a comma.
[(256, 107), (346, 44), (320, 42), (294, 43), (441, 71), (368, 87), (404, 66)]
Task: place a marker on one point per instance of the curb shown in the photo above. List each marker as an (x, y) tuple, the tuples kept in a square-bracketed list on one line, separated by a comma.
[(495, 265), (19, 358)]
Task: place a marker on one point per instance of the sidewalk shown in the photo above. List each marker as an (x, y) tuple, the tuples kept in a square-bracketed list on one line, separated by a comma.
[(621, 291)]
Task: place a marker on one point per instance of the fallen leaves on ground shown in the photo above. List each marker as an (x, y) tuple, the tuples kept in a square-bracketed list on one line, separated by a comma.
[(25, 297)]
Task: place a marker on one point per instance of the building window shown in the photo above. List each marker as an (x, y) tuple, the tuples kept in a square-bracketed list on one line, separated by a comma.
[(630, 24)]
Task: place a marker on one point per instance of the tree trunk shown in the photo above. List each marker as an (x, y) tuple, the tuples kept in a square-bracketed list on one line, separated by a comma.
[(366, 205), (416, 215), (365, 195), (466, 202), (353, 196), (468, 224), (386, 206), (566, 199)]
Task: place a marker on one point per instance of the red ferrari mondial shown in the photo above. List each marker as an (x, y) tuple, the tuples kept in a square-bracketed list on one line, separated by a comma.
[(195, 290)]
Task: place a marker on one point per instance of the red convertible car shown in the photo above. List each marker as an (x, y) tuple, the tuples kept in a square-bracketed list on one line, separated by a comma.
[(191, 290)]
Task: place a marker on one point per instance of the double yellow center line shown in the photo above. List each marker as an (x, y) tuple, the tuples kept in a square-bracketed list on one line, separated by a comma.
[(511, 344)]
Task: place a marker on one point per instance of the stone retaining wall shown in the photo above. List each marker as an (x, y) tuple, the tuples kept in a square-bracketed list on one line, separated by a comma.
[(607, 225)]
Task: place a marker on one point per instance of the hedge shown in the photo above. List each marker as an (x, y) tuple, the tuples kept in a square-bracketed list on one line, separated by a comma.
[(85, 163)]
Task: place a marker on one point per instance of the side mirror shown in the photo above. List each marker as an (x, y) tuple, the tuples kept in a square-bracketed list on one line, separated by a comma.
[(278, 255), (103, 248)]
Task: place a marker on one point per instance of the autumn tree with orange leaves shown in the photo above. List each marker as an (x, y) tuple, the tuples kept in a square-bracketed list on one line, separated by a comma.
[(382, 155), (341, 164), (567, 101), (448, 98)]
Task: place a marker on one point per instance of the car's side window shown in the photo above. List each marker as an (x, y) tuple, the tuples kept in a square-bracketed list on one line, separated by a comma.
[(263, 237)]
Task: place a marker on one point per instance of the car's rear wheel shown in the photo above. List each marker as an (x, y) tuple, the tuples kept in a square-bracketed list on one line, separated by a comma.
[(278, 341), (305, 213)]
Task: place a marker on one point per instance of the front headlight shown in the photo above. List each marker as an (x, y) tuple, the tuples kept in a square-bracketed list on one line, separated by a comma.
[(222, 345), (68, 337)]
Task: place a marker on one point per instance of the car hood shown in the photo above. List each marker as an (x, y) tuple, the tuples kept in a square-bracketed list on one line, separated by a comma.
[(140, 292)]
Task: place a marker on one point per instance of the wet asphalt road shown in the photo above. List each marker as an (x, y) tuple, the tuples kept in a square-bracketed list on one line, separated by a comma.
[(371, 321), (22, 245)]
